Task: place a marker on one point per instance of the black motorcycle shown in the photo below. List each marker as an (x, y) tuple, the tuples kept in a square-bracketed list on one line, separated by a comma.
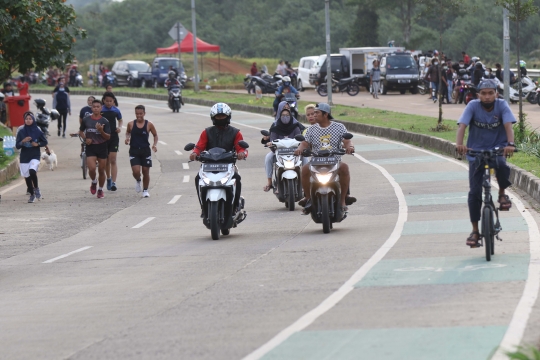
[(348, 85), (45, 116), (292, 99), (175, 98), (267, 83)]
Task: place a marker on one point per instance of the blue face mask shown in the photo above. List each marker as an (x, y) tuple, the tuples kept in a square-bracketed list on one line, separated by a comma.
[(285, 119), (286, 83)]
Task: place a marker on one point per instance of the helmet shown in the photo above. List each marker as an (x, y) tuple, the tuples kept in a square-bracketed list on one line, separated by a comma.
[(286, 80), (475, 59), (220, 108), (172, 74), (55, 115), (40, 103), (435, 52), (522, 63), (478, 65), (487, 84)]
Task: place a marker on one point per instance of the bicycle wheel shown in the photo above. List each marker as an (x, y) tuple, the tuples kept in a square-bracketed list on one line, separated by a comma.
[(487, 231), (84, 166)]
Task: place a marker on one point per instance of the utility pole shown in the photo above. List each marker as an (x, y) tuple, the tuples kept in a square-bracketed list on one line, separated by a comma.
[(506, 55), (328, 54), (194, 26), (178, 39)]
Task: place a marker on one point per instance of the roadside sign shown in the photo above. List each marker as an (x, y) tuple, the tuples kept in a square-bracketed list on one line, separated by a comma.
[(173, 33)]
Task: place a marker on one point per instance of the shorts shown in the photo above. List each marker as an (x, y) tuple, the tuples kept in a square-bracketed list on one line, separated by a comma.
[(26, 167), (97, 150), (140, 156), (112, 143)]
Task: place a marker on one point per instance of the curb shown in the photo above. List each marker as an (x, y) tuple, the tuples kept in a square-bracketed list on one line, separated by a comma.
[(520, 178), (9, 171)]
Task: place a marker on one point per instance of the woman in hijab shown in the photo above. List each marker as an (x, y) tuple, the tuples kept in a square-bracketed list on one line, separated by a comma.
[(29, 140), (285, 126)]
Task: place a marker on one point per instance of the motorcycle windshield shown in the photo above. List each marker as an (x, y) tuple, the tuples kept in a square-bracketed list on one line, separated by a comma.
[(289, 97), (217, 155)]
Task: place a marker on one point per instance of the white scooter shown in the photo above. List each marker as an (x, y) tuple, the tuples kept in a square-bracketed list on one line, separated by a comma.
[(217, 189), (527, 87), (287, 171)]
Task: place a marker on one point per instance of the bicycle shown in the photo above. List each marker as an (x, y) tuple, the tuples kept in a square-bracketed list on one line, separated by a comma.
[(489, 229), (84, 165)]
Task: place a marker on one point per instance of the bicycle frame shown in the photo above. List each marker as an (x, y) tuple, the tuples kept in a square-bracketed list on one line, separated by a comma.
[(488, 199)]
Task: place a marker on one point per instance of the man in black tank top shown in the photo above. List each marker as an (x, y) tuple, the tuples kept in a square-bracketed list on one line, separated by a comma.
[(140, 156)]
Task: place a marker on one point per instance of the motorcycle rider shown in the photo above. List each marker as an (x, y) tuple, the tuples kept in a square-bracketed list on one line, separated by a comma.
[(224, 136), (169, 83), (286, 87), (522, 68)]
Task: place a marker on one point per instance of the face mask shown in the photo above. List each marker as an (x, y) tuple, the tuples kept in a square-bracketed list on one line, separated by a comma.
[(445, 67), (461, 65), (486, 73), (61, 89), (435, 63), (285, 119), (223, 122), (286, 83), (487, 105)]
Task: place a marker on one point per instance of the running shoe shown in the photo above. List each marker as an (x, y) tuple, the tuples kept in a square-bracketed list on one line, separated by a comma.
[(113, 186), (32, 198), (109, 184), (64, 135), (145, 193), (93, 188), (58, 132), (138, 187), (100, 194), (37, 193)]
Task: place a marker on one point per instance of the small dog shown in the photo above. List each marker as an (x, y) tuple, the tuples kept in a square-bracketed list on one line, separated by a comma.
[(50, 160)]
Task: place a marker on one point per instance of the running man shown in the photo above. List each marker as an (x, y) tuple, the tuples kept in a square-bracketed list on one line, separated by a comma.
[(114, 116), (137, 134), (87, 110), (98, 131)]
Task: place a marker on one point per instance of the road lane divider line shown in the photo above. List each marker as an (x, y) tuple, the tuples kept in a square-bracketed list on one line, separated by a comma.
[(174, 199), (177, 152), (186, 178), (66, 255), (185, 166), (142, 223), (348, 286), (162, 142)]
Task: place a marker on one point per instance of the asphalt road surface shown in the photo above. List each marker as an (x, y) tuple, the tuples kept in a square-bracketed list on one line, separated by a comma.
[(131, 277)]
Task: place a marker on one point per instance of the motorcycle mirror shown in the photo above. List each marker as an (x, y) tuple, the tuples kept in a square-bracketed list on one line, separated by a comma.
[(243, 144), (189, 147), (299, 137), (265, 132), (347, 136)]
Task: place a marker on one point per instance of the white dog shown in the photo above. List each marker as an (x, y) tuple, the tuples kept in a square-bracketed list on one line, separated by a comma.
[(50, 160)]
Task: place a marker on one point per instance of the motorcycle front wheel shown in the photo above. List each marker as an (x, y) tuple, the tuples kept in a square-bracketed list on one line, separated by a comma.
[(322, 90), (326, 223), (532, 98), (213, 218), (353, 89), (291, 188)]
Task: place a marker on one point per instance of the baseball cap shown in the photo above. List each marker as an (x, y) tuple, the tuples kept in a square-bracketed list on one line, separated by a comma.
[(487, 84), (324, 107)]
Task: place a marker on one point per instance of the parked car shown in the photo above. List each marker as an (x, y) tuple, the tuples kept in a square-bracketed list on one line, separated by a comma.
[(160, 70), (129, 72), (399, 72), (304, 66)]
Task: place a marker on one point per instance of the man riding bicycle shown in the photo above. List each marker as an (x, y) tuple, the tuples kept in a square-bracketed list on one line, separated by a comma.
[(490, 121)]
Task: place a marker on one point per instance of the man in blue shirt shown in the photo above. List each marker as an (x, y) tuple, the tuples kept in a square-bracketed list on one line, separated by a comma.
[(283, 89), (490, 126), (114, 116)]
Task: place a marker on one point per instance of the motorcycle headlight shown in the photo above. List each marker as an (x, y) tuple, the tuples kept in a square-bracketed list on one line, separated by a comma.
[(224, 180), (323, 178), (288, 164), (206, 180)]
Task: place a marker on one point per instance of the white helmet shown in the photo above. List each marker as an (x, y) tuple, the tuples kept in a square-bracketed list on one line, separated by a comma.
[(220, 108)]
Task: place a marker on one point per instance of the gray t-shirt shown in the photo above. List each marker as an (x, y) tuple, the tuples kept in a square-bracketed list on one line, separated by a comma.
[(376, 74), (328, 138), (89, 124)]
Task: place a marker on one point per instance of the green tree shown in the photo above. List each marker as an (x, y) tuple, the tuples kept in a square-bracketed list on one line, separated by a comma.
[(362, 32), (35, 34), (519, 10)]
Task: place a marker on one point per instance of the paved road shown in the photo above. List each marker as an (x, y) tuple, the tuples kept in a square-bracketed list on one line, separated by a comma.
[(392, 281)]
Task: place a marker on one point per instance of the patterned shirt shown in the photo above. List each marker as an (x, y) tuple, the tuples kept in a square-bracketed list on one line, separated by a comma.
[(328, 138)]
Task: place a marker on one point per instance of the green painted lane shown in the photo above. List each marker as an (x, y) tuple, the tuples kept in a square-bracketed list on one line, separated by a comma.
[(447, 270), (407, 160), (437, 199), (458, 226), (449, 343), (430, 176), (378, 147)]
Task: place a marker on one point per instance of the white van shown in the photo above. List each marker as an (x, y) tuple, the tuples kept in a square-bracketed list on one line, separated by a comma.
[(305, 64)]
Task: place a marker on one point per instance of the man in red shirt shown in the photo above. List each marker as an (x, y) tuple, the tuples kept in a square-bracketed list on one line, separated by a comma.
[(466, 58)]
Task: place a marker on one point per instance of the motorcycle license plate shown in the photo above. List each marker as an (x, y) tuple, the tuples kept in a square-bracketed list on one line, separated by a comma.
[(404, 81), (286, 151), (323, 160), (216, 167)]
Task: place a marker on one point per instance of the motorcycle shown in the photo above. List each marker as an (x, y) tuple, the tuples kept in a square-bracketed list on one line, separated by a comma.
[(217, 188), (45, 116), (175, 98), (325, 187), (348, 85), (292, 99), (79, 80), (109, 79), (287, 171), (268, 84), (423, 87), (469, 92)]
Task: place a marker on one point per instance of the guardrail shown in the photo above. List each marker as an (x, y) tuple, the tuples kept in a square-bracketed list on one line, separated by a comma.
[(532, 73)]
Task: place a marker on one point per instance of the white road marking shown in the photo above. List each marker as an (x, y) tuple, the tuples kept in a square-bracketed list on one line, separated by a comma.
[(177, 152), (185, 166), (186, 178), (162, 142), (348, 286), (142, 223), (66, 255), (12, 187), (174, 199)]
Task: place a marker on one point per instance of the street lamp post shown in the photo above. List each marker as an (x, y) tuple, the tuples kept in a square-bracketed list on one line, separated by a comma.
[(506, 55), (194, 26), (328, 55)]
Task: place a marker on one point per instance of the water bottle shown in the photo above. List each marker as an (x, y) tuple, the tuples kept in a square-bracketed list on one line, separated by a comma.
[(9, 144)]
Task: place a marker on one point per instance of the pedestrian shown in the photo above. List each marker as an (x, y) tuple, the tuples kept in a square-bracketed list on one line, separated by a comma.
[(450, 79), (29, 140), (281, 68), (114, 116), (96, 130), (137, 134), (253, 69), (62, 104), (375, 79), (466, 58), (433, 76), (498, 72)]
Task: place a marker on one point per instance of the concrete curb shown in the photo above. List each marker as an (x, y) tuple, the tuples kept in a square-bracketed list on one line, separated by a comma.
[(9, 171), (520, 178)]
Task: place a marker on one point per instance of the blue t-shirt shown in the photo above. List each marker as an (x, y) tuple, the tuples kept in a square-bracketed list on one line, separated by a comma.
[(85, 111), (112, 115), (486, 129), (291, 88)]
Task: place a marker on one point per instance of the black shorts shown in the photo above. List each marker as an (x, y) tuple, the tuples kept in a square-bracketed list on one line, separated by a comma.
[(113, 143), (140, 156), (98, 150)]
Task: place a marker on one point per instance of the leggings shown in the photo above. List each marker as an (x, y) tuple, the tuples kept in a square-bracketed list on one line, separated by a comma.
[(63, 116), (32, 181)]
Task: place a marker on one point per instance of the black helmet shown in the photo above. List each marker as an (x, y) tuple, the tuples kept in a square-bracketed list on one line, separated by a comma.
[(40, 102), (172, 74), (6, 84)]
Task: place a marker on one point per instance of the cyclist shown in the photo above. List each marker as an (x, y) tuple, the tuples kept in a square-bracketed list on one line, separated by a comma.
[(490, 126), (113, 115)]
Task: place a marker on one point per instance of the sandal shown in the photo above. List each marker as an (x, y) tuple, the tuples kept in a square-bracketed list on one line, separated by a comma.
[(349, 200), (472, 241), (267, 188), (302, 202), (307, 206), (506, 204)]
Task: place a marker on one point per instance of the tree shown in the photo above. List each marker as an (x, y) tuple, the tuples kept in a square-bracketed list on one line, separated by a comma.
[(519, 10), (366, 23), (36, 34)]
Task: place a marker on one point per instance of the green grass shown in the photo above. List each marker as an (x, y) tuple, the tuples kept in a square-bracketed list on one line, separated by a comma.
[(5, 160), (524, 353)]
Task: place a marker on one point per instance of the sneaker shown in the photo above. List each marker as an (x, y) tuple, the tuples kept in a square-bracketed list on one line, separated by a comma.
[(113, 186), (100, 194), (93, 188), (64, 135), (145, 194), (58, 132), (37, 193), (32, 199), (138, 187), (109, 184), (27, 191)]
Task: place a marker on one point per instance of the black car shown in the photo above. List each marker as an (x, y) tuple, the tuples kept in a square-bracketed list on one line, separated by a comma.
[(398, 72), (126, 72)]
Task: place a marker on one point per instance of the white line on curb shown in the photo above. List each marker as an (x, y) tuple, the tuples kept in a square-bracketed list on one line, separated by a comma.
[(177, 152), (186, 178), (11, 187), (185, 166), (162, 142), (66, 255), (142, 223), (174, 199)]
